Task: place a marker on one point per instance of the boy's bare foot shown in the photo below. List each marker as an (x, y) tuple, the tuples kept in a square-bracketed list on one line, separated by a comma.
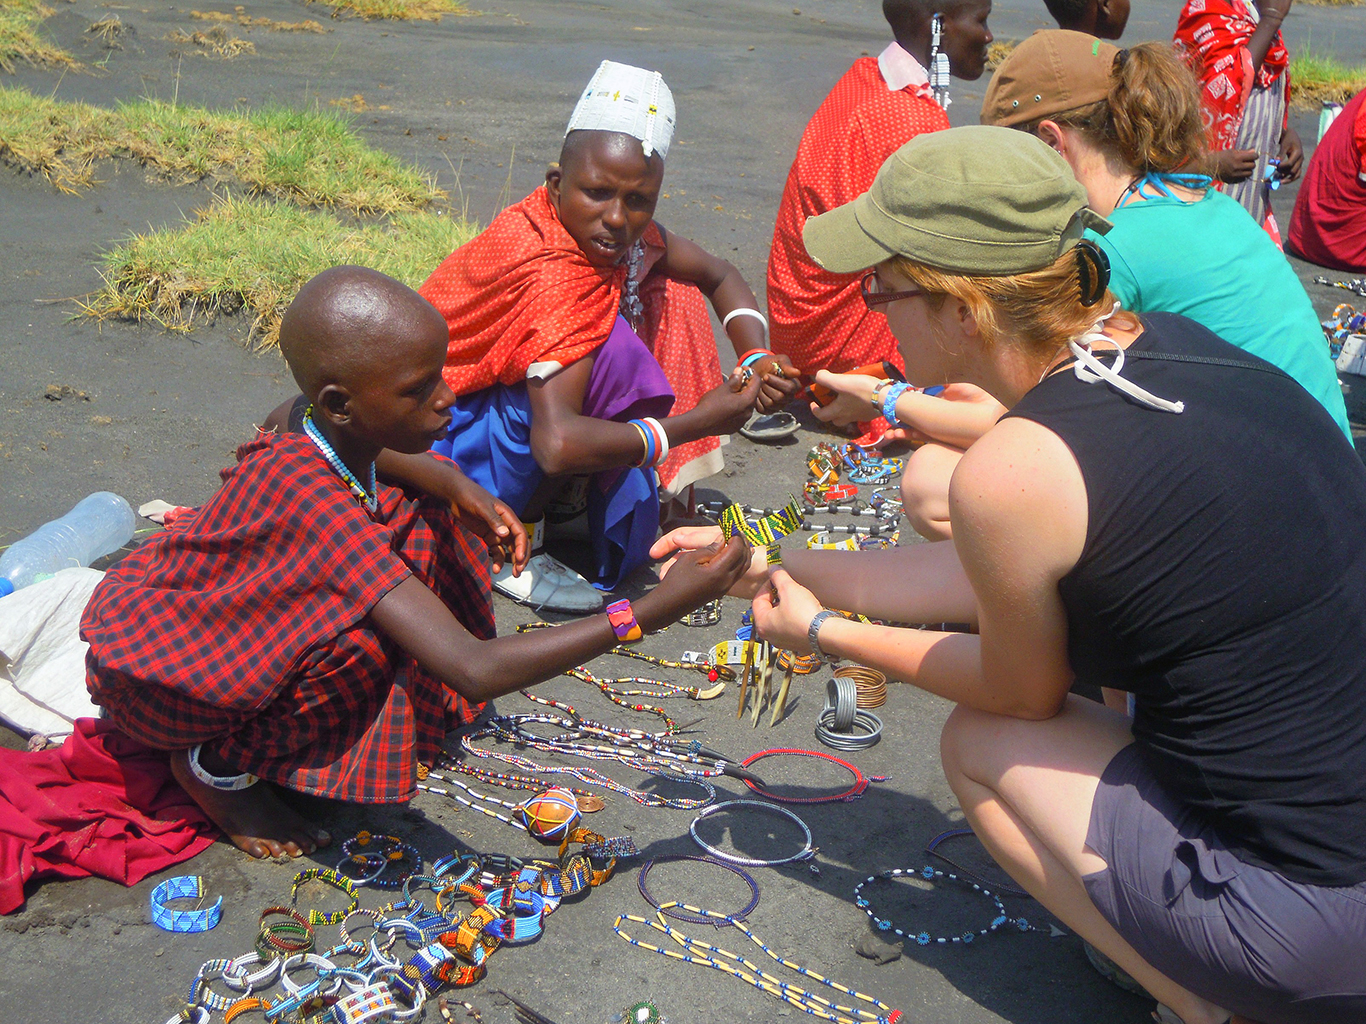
[(257, 821)]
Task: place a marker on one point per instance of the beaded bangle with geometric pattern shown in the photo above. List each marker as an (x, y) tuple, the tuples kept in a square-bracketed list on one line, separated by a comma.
[(328, 877)]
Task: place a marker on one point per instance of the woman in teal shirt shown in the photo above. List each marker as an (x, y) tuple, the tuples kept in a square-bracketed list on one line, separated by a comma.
[(1128, 122)]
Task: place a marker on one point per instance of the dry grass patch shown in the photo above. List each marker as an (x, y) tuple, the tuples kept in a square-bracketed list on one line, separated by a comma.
[(109, 29), (216, 42), (998, 51), (309, 158), (251, 255), (19, 39), (1315, 78), (240, 17), (1333, 3), (396, 10)]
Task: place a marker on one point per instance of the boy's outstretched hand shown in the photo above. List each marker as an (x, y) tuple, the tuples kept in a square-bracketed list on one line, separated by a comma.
[(698, 538), (694, 578), (489, 519)]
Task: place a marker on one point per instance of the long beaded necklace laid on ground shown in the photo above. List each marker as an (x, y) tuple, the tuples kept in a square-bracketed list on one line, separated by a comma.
[(714, 673), (509, 730), (369, 498), (930, 874), (706, 955)]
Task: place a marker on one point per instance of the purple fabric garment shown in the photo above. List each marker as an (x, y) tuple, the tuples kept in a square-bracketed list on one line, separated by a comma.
[(627, 383)]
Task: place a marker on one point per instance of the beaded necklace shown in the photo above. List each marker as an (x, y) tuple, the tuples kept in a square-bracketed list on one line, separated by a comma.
[(706, 955), (925, 938), (369, 498), (510, 733), (713, 672), (476, 795), (511, 780)]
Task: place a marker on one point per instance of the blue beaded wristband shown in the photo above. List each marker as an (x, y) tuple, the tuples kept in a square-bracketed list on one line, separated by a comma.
[(889, 401), (183, 887)]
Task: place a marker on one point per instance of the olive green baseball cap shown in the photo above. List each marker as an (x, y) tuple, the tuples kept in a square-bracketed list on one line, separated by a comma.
[(979, 201)]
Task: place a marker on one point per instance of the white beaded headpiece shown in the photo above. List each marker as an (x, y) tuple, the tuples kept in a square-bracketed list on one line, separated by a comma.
[(630, 100)]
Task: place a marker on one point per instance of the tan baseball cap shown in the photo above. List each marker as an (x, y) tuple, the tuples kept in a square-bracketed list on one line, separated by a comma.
[(980, 201), (1050, 72)]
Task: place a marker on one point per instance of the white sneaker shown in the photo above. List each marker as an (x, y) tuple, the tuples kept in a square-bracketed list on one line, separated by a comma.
[(549, 584)]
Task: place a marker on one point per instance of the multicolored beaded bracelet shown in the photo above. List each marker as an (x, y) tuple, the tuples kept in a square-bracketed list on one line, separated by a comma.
[(328, 877), (296, 925)]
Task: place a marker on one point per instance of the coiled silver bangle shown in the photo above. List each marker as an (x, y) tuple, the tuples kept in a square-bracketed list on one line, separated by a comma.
[(865, 720)]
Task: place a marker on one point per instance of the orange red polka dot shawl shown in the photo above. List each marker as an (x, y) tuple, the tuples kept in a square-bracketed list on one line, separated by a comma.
[(522, 292)]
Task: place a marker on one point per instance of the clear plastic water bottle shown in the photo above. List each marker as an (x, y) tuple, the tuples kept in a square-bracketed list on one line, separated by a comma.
[(97, 526)]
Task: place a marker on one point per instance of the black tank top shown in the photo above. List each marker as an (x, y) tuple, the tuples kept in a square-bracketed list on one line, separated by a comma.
[(1223, 583)]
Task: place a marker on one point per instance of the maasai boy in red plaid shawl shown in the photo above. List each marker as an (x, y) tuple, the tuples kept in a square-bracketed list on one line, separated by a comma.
[(314, 628)]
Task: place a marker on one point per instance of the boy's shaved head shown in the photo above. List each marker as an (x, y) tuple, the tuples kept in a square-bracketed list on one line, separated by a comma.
[(344, 325)]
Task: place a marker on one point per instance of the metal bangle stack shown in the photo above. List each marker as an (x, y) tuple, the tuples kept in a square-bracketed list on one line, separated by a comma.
[(869, 683), (842, 725)]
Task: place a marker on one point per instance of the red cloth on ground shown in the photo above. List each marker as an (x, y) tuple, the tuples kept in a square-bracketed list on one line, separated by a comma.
[(523, 292), (1328, 226), (100, 804), (819, 319), (245, 625), (1214, 33)]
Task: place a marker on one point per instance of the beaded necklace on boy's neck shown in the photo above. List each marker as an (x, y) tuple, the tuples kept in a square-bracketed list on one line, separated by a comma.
[(367, 497)]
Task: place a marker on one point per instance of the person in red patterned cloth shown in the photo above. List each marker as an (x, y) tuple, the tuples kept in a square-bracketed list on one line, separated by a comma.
[(1236, 50), (580, 345), (1328, 226), (819, 319), (312, 628)]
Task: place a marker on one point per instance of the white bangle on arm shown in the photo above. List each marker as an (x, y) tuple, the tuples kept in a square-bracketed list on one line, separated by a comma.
[(744, 311)]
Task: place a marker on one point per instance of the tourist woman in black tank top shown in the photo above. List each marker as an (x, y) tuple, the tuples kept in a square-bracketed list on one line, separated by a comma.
[(1159, 512)]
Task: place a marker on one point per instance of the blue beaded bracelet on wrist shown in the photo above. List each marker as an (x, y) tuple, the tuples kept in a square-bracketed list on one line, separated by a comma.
[(889, 401)]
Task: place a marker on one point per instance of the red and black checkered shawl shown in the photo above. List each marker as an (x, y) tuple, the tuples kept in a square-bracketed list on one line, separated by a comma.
[(245, 626)]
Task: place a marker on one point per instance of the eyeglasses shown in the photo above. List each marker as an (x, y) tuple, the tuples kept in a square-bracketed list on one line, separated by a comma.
[(874, 296)]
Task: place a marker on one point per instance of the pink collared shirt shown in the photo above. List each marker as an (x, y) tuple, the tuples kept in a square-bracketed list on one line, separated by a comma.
[(899, 69)]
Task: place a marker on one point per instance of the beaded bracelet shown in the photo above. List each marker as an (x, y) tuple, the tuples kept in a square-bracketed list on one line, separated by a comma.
[(202, 995), (296, 925), (855, 791), (694, 915), (243, 1006), (235, 975), (378, 860), (318, 963), (806, 853), (183, 887), (328, 877), (924, 938)]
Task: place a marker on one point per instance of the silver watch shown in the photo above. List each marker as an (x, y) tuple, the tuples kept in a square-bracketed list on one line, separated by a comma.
[(813, 634)]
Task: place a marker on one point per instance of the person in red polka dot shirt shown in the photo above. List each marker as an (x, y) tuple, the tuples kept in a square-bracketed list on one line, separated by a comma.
[(819, 319)]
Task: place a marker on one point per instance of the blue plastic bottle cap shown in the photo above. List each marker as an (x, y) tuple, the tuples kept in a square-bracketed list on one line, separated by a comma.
[(6, 587)]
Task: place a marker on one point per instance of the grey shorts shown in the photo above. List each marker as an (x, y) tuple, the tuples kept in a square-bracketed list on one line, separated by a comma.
[(1243, 937)]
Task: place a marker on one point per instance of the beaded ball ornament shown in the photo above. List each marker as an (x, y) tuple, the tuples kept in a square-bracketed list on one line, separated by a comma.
[(550, 815)]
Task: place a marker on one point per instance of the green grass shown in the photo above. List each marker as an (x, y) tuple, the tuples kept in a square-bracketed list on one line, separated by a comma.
[(19, 39), (306, 157), (252, 255), (1316, 77), (397, 10)]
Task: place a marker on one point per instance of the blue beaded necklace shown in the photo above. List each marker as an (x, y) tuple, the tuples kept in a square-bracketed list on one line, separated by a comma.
[(369, 498), (925, 938)]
